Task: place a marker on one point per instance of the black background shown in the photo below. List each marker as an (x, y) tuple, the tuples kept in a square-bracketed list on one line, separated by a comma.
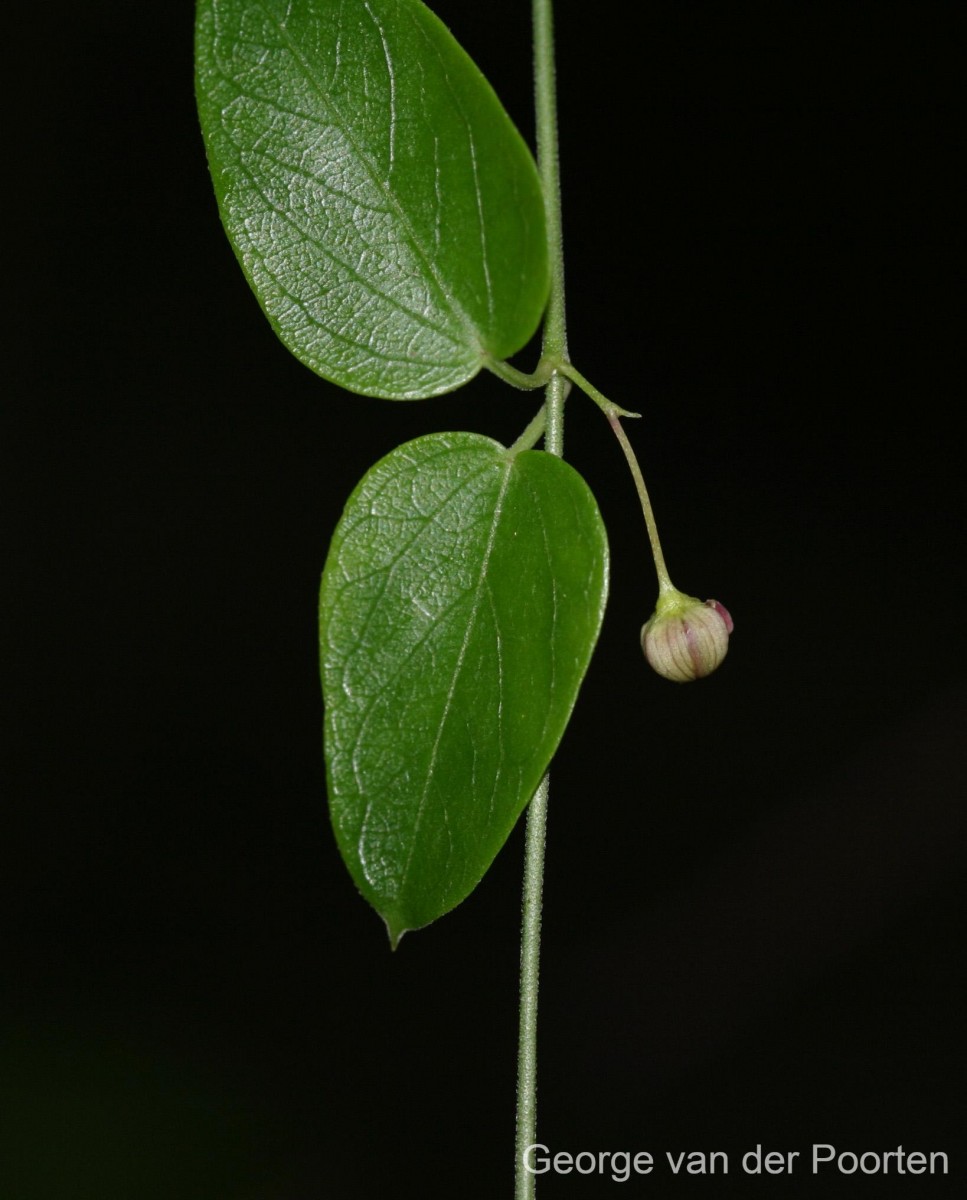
[(754, 928)]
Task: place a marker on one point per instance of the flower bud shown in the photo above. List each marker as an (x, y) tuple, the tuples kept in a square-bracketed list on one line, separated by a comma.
[(685, 639)]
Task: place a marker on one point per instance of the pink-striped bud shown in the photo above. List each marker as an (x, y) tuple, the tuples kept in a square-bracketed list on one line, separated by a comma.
[(685, 639)]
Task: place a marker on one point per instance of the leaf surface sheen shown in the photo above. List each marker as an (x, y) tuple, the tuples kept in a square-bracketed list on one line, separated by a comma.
[(460, 604), (384, 208)]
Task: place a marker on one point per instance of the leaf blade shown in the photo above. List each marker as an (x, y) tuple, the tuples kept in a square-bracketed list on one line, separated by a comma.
[(460, 604), (382, 205)]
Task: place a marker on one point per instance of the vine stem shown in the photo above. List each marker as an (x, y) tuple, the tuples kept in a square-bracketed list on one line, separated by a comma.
[(530, 954), (548, 164), (554, 349)]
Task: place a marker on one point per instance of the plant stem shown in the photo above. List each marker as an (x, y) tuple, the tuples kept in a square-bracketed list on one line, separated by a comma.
[(530, 956), (555, 323), (531, 435), (555, 349)]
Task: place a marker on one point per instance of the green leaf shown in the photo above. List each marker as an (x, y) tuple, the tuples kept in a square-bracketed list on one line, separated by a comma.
[(461, 600), (384, 208)]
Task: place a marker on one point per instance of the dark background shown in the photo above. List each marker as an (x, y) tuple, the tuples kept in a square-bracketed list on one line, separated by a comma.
[(754, 928)]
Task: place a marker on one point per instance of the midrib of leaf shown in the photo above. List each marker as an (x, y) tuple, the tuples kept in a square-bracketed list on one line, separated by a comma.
[(482, 229), (387, 572), (471, 625), (536, 508), (481, 224), (391, 75), (365, 285), (383, 186)]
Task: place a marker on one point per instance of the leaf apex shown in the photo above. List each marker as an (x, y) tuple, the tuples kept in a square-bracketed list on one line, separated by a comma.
[(395, 933)]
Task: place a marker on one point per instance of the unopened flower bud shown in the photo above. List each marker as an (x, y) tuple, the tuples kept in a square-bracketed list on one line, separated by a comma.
[(685, 639)]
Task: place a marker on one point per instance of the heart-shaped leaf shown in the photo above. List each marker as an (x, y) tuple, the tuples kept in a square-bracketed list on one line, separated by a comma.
[(461, 600), (383, 206)]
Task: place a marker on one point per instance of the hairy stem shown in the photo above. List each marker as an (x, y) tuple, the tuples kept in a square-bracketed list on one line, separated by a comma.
[(555, 323), (530, 954), (555, 350)]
